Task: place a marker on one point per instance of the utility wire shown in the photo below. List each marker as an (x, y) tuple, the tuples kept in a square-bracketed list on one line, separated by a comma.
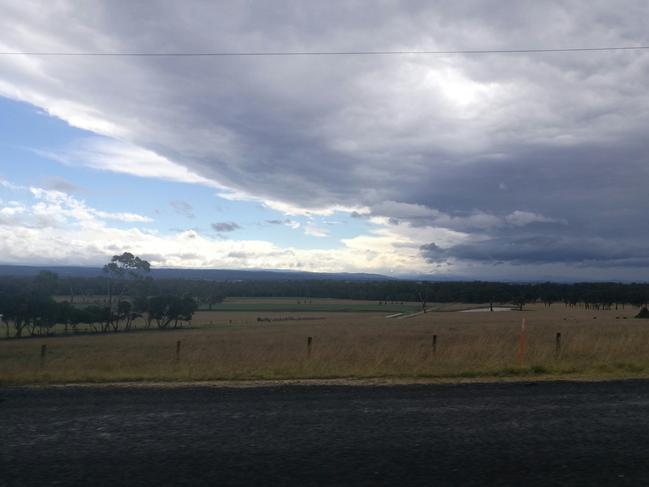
[(315, 53)]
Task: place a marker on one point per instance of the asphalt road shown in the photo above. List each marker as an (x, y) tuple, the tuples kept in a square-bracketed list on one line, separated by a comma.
[(520, 434)]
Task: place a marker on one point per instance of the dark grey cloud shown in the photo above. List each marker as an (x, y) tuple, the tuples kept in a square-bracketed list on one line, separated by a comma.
[(183, 208), (517, 150), (541, 249), (225, 226), (596, 194)]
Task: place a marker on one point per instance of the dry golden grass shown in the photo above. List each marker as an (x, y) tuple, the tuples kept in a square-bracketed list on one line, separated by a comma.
[(358, 345)]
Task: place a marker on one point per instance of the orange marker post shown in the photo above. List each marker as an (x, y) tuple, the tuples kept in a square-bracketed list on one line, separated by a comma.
[(521, 344)]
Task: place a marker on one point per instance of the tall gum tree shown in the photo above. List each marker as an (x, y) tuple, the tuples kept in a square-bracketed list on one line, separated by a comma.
[(120, 269)]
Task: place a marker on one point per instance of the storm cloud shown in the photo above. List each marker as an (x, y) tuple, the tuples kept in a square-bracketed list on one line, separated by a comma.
[(530, 158), (541, 249)]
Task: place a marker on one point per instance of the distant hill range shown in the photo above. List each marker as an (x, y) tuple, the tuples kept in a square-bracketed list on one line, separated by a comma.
[(198, 274)]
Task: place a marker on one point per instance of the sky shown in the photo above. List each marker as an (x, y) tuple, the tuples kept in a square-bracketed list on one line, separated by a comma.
[(491, 166)]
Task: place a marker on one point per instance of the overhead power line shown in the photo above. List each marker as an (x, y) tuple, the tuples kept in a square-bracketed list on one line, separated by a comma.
[(316, 53)]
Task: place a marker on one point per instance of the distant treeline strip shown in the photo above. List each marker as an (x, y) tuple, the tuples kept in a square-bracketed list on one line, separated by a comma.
[(212, 292)]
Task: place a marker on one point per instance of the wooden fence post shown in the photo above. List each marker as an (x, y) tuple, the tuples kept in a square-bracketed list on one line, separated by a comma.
[(434, 345), (178, 351), (308, 346), (557, 344), (43, 355)]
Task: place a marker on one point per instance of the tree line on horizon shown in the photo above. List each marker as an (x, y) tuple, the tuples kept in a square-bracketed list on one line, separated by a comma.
[(209, 293), (27, 303)]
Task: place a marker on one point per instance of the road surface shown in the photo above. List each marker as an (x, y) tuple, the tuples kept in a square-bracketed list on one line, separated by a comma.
[(525, 434)]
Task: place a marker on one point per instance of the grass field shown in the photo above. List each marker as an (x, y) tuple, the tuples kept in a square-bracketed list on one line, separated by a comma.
[(234, 345)]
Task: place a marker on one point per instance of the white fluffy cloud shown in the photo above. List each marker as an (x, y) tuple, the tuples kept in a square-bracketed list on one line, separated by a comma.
[(55, 227), (57, 207), (52, 208)]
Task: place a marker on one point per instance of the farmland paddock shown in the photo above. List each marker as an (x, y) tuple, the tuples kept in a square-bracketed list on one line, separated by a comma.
[(234, 345)]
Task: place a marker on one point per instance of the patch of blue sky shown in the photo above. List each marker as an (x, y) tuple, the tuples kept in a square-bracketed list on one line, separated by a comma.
[(24, 125), (24, 129), (27, 134)]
